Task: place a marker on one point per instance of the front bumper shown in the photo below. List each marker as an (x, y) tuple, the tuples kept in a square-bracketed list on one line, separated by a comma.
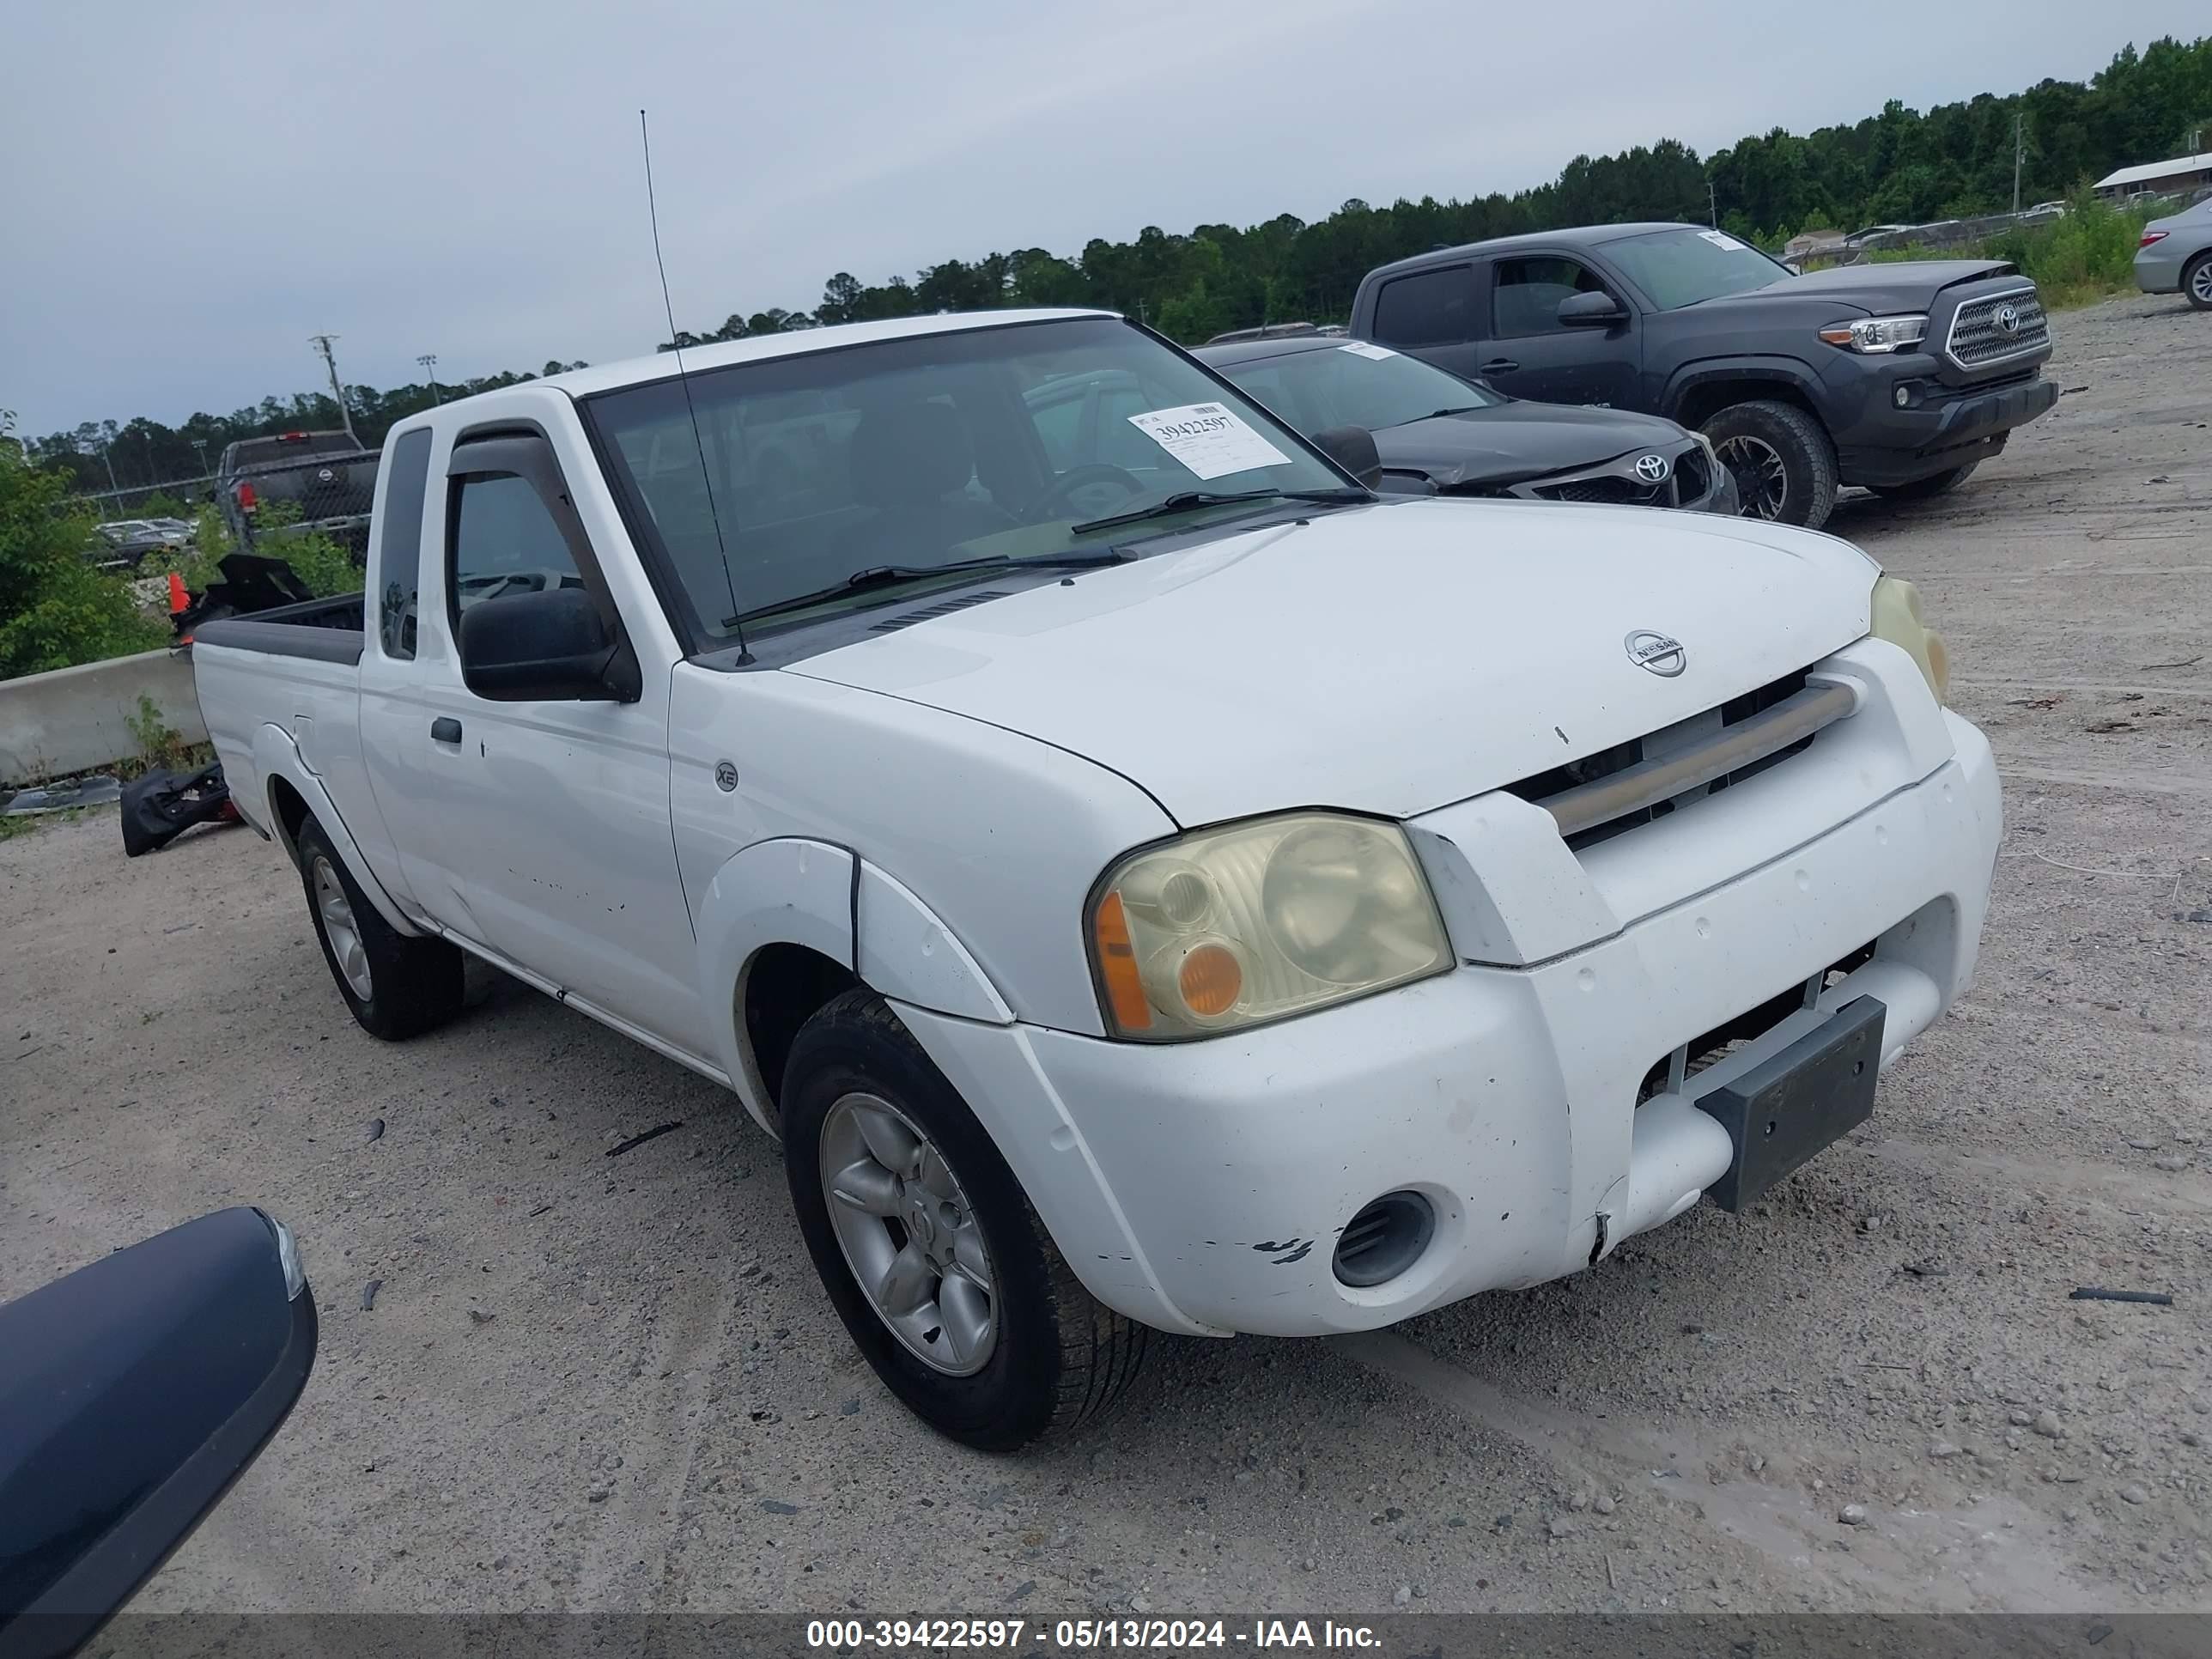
[(1200, 1187), (1946, 425)]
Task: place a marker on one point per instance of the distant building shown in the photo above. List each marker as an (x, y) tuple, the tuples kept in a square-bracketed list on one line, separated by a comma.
[(2178, 177)]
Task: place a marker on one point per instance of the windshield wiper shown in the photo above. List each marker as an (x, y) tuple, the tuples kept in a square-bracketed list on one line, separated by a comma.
[(1186, 500), (890, 575)]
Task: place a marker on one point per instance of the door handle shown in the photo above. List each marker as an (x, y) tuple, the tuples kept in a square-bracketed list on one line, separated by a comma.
[(1500, 365), (445, 729)]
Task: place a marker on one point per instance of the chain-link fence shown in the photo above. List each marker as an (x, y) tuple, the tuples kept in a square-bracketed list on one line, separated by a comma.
[(329, 493)]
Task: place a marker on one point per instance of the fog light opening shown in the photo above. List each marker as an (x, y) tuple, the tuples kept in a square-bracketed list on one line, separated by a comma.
[(1384, 1239)]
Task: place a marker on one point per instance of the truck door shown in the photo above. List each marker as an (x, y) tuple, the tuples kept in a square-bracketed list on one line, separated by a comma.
[(538, 829), (1529, 352), (1435, 313)]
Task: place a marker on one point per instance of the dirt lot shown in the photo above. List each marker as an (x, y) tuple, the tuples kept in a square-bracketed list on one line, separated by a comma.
[(615, 1384)]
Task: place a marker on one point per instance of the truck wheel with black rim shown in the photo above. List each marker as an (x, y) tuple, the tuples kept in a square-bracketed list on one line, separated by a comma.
[(2197, 281), (929, 1249), (1921, 489), (396, 986), (1784, 464)]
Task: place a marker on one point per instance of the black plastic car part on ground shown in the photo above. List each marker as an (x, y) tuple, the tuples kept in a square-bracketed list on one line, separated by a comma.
[(1437, 433), (1900, 377)]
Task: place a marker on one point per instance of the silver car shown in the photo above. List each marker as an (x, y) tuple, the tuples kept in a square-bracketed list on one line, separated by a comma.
[(2176, 255)]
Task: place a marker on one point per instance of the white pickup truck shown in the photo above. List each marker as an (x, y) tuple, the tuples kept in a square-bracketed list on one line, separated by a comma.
[(1191, 895)]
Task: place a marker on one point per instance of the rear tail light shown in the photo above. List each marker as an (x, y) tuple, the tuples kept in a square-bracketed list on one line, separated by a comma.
[(246, 497), (2150, 236)]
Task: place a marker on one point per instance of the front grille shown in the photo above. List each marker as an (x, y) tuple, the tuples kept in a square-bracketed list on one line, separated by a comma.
[(1709, 1047), (1567, 791), (1978, 334), (1610, 492), (1687, 480)]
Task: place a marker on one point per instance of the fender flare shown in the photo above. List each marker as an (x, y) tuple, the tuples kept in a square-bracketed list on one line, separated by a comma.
[(1792, 372), (276, 756), (825, 898)]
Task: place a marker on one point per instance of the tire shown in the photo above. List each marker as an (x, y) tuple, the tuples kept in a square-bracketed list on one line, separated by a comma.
[(2197, 281), (1921, 490), (1043, 1357), (1784, 465), (411, 984)]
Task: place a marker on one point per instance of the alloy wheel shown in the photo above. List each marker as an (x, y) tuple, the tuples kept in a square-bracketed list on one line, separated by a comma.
[(908, 1234), (2200, 282), (1762, 482), (343, 933)]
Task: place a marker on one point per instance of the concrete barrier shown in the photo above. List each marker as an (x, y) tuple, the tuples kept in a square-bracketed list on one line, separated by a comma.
[(78, 720)]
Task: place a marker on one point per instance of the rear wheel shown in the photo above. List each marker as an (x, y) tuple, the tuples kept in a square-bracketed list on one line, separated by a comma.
[(1921, 489), (396, 986), (1784, 464), (928, 1248), (2197, 281)]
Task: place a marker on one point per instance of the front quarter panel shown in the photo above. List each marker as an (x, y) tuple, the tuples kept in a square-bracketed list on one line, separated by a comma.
[(958, 826)]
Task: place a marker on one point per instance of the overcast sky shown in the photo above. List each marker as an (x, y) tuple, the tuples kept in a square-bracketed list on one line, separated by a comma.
[(190, 190)]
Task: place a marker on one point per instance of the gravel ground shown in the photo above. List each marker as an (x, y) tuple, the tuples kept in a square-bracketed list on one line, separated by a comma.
[(615, 1384)]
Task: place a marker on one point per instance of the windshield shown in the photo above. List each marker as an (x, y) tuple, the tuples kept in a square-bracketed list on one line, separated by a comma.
[(1355, 384), (922, 451), (1678, 268)]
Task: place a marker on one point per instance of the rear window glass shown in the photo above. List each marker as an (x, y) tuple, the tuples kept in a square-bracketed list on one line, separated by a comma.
[(1429, 308)]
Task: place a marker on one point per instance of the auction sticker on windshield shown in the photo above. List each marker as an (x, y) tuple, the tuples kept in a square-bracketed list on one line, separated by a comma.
[(1721, 239), (1362, 349), (1207, 440)]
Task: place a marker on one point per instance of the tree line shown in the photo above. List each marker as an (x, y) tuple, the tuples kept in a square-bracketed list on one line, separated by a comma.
[(1899, 166)]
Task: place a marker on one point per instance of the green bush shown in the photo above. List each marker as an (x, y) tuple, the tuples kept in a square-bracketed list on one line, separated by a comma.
[(57, 609)]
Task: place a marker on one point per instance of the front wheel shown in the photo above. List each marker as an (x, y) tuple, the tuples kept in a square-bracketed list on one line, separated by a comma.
[(1784, 464), (1921, 489), (928, 1248)]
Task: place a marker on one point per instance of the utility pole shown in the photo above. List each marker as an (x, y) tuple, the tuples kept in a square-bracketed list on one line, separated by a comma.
[(1712, 205), (114, 487), (2018, 145), (429, 361), (322, 345)]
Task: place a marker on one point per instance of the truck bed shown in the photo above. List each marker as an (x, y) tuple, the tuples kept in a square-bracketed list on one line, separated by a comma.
[(327, 630)]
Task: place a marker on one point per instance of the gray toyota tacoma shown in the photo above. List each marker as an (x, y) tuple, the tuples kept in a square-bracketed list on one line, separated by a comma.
[(1901, 377)]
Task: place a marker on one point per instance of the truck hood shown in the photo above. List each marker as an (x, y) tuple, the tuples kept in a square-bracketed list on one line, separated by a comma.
[(1516, 440), (1875, 290), (1387, 660)]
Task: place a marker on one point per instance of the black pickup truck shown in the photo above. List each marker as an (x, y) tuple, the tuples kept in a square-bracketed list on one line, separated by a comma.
[(1900, 377), (328, 477)]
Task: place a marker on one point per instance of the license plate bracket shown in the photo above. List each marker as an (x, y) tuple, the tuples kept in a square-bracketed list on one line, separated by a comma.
[(1798, 1101)]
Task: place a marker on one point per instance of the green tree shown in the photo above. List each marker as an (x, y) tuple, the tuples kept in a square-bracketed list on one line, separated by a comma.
[(56, 608)]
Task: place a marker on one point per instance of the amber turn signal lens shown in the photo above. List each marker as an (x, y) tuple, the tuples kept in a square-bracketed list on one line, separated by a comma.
[(1210, 981), (1117, 967)]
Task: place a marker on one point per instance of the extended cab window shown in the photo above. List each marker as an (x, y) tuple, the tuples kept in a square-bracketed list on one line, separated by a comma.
[(504, 541), (399, 542), (1429, 308), (1526, 294)]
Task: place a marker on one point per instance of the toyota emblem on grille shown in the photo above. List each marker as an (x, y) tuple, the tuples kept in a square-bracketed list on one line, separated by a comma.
[(325, 476), (1652, 469), (2008, 319), (1657, 652)]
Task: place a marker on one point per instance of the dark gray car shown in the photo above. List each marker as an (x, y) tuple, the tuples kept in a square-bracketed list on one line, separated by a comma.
[(1439, 434)]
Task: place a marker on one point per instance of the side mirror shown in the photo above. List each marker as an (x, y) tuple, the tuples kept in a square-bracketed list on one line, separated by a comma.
[(546, 647), (1353, 448), (1595, 309), (132, 1393)]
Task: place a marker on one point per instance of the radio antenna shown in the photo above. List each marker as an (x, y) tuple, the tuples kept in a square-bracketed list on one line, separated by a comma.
[(682, 379)]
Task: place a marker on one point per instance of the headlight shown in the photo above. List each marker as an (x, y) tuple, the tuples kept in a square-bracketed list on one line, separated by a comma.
[(1234, 927), (1876, 334), (1895, 617)]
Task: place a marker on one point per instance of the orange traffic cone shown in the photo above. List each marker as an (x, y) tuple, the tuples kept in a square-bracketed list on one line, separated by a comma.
[(177, 600)]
